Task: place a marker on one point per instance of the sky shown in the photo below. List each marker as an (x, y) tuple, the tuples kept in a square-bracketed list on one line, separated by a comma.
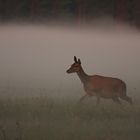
[(39, 55)]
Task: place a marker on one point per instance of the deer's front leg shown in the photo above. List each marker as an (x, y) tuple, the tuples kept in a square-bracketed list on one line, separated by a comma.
[(98, 100), (88, 94), (83, 97)]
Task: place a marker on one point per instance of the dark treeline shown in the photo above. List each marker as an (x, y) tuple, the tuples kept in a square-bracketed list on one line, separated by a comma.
[(76, 10)]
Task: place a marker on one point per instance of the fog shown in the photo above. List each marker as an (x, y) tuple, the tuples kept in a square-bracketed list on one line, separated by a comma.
[(37, 56)]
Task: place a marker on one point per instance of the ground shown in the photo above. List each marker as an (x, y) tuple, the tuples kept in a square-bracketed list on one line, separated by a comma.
[(42, 118)]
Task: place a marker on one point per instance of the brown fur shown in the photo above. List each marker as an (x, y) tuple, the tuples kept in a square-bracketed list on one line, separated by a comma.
[(100, 86)]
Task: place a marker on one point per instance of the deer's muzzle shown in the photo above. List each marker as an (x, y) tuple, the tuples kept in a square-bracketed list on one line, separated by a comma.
[(69, 71)]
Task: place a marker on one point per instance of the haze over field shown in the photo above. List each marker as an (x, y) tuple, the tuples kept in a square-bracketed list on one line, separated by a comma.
[(39, 55)]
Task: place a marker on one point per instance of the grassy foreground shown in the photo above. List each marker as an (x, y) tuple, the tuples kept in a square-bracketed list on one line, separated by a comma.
[(48, 119)]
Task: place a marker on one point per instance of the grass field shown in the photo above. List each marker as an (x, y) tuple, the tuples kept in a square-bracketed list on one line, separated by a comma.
[(39, 100), (42, 118)]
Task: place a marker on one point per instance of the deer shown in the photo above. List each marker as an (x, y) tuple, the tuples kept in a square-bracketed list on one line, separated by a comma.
[(100, 86)]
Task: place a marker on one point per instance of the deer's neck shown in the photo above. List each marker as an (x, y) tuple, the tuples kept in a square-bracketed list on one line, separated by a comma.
[(82, 75)]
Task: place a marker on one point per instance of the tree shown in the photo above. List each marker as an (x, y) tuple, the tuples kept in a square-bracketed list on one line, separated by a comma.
[(121, 10), (34, 8), (136, 12), (2, 9), (81, 11)]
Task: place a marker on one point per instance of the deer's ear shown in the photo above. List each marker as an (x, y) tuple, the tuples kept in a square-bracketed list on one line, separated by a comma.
[(79, 61), (75, 59)]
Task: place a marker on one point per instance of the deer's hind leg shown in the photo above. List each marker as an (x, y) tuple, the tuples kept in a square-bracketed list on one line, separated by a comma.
[(128, 99), (116, 100), (98, 100)]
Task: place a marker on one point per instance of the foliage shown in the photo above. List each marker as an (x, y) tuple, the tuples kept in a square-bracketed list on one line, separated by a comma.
[(43, 118), (82, 10)]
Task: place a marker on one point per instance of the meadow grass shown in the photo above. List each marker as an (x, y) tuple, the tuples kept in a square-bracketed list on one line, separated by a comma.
[(51, 119)]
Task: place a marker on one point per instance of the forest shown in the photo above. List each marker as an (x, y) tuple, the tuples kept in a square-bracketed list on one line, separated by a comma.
[(80, 11)]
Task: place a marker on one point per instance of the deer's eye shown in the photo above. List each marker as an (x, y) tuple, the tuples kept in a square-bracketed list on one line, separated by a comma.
[(75, 66)]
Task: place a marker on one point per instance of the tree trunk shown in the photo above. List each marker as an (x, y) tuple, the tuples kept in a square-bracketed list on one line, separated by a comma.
[(121, 10), (136, 12), (2, 9), (55, 8), (81, 11), (35, 9)]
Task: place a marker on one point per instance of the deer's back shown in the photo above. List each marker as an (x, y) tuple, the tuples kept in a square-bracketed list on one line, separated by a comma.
[(105, 85)]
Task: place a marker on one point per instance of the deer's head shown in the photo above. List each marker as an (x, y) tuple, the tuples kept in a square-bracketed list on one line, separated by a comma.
[(75, 67)]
